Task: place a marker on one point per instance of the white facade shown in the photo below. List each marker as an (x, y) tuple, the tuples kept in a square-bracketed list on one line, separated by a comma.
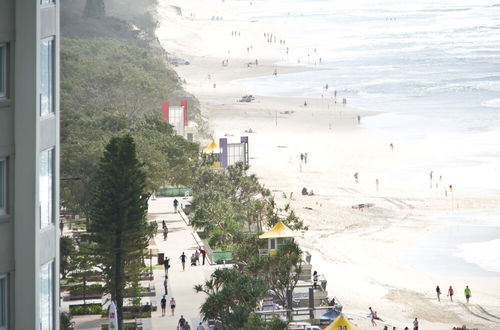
[(29, 164)]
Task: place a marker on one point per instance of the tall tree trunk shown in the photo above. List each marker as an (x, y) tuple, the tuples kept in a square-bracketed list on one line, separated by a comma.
[(119, 282)]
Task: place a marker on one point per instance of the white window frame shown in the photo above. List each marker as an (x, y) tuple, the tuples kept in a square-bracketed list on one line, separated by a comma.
[(51, 152), (5, 185), (52, 81), (44, 3), (4, 303), (51, 300), (3, 70)]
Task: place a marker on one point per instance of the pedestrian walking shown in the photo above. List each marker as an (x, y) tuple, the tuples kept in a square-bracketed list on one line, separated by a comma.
[(187, 326), (391, 146), (203, 254), (197, 257), (165, 285), (163, 224), (165, 232), (415, 324), (183, 260), (450, 293), (176, 203), (166, 265), (372, 316), (359, 120), (172, 305), (467, 293), (163, 305), (181, 323), (438, 293), (200, 327)]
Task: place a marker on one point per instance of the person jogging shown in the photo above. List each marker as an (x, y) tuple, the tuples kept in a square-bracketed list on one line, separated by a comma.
[(183, 260)]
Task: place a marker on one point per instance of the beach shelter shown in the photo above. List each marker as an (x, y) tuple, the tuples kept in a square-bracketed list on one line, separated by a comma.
[(211, 148), (278, 235), (341, 323)]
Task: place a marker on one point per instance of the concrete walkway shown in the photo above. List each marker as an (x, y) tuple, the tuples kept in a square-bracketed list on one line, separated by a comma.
[(180, 283)]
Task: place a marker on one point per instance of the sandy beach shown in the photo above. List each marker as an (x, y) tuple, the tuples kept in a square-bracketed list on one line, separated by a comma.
[(362, 253)]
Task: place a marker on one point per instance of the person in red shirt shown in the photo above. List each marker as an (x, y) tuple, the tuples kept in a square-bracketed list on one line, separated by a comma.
[(450, 293), (203, 254)]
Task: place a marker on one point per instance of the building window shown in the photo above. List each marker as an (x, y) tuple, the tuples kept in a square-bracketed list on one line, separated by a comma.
[(47, 76), (46, 2), (46, 187), (3, 302), (47, 296), (3, 71), (3, 186)]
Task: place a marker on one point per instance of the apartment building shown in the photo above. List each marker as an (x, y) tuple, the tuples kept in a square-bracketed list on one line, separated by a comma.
[(29, 164)]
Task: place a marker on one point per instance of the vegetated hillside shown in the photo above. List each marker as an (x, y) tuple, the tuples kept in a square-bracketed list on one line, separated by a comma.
[(113, 80)]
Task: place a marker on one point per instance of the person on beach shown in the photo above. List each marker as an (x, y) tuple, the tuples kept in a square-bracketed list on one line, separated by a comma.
[(359, 120), (391, 146), (163, 304), (305, 103), (450, 293), (415, 324), (305, 158), (301, 158), (438, 293), (275, 72), (376, 184), (372, 316), (183, 260), (356, 177), (172, 305), (181, 323), (163, 224), (467, 293), (176, 203)]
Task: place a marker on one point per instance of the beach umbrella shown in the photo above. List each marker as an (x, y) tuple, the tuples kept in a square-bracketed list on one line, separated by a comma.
[(113, 316), (341, 323)]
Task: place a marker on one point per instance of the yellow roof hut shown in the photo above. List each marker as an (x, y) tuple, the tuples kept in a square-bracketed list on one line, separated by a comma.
[(280, 234), (341, 323), (211, 148)]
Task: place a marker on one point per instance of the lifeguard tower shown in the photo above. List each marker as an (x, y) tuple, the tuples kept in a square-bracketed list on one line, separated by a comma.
[(277, 236)]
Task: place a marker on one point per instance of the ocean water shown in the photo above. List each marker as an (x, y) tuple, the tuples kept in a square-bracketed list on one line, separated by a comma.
[(468, 245), (432, 67)]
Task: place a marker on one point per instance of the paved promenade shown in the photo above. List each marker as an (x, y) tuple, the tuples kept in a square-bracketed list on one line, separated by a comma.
[(180, 283)]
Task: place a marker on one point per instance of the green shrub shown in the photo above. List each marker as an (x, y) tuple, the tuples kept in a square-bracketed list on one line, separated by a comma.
[(88, 309)]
